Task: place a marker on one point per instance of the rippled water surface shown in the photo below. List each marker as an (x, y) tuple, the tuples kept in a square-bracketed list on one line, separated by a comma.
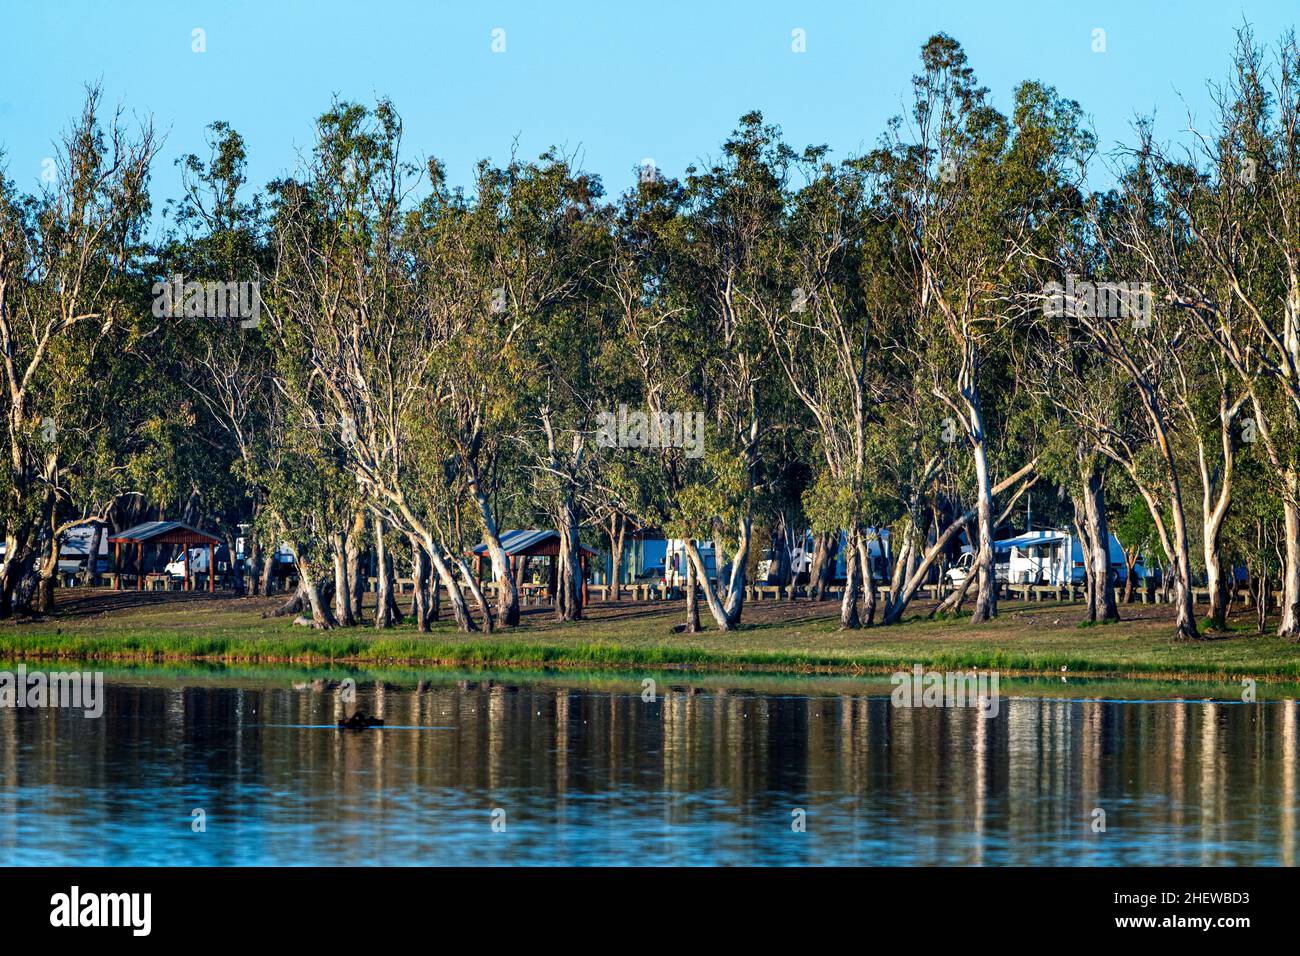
[(596, 774)]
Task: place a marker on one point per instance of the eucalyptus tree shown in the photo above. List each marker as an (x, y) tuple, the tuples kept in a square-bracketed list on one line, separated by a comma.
[(629, 486), (972, 191), (222, 366), (359, 347), (310, 494), (1075, 395), (69, 262), (107, 441), (541, 234), (1211, 398), (466, 259), (646, 279), (827, 343), (1236, 195), (906, 459), (956, 213), (730, 251), (1203, 394), (616, 500), (1073, 388), (1253, 534), (1118, 317)]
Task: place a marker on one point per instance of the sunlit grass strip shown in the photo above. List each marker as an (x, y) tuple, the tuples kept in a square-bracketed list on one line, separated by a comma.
[(1244, 657)]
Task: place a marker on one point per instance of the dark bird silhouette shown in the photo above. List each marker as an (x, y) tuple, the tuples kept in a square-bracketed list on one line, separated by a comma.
[(360, 721)]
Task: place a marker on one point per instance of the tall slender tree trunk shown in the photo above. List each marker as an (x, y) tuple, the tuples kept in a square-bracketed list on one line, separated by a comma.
[(254, 562), (343, 613), (459, 609), (479, 598), (1214, 579), (716, 610), (268, 569), (322, 619), (1083, 532), (1289, 625), (868, 580), (617, 531), (1185, 612), (902, 561), (47, 576), (1289, 620), (849, 618), (387, 613), (735, 603), (692, 601), (356, 580), (434, 598), (1216, 496), (91, 574), (1094, 509), (421, 604), (986, 602), (1130, 565), (825, 551), (815, 565), (568, 605), (508, 588)]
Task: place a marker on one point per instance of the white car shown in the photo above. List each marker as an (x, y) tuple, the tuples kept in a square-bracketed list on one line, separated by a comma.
[(957, 573), (198, 563)]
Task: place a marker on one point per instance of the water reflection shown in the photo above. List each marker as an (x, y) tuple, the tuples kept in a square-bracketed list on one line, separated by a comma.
[(700, 775)]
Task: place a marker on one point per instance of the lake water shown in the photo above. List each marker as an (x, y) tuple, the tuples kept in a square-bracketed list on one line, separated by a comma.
[(530, 769)]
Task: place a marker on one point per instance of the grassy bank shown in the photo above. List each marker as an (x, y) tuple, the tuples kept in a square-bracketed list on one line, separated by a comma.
[(802, 638), (416, 678)]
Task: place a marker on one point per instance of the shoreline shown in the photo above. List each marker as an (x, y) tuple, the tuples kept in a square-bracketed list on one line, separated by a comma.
[(1027, 640), (622, 660)]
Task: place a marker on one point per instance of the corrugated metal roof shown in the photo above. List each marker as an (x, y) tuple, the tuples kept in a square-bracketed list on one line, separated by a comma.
[(153, 529), (1029, 540), (519, 540)]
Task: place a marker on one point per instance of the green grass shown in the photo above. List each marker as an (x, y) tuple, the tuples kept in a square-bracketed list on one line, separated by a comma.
[(631, 680), (1027, 639)]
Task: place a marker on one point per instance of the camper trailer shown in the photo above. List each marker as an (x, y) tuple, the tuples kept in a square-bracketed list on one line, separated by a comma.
[(1041, 557), (675, 559), (1118, 570), (74, 552)]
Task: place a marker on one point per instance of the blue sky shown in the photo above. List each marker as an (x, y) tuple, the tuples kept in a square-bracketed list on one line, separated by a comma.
[(610, 82)]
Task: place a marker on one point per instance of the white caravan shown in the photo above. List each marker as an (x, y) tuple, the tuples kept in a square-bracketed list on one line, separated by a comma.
[(74, 551), (675, 559), (1042, 557)]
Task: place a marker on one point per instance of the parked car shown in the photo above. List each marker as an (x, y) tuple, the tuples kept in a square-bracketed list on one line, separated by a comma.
[(957, 573), (198, 563)]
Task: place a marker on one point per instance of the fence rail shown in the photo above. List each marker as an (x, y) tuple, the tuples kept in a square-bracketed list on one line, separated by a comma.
[(537, 595)]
